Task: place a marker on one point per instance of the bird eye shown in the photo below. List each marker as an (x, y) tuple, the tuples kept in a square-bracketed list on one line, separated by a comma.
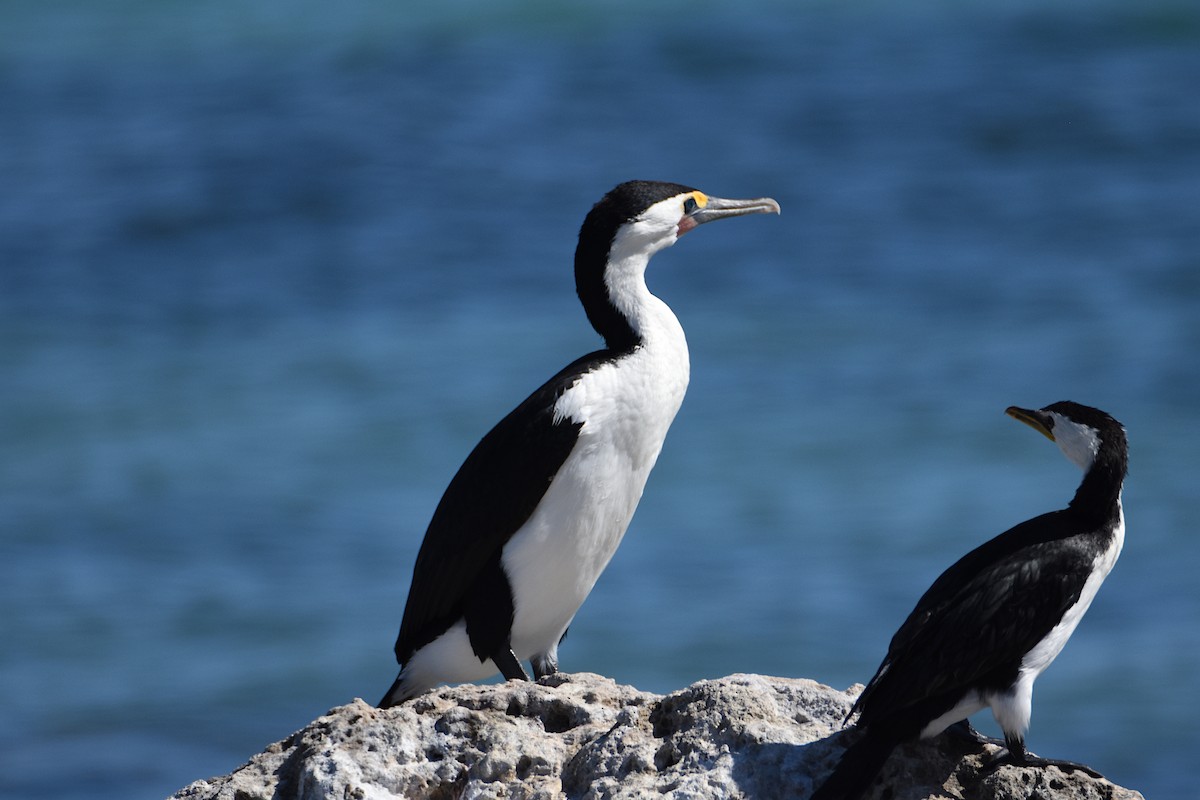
[(689, 205)]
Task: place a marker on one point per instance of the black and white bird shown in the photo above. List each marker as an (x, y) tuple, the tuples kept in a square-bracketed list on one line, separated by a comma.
[(540, 505), (988, 627)]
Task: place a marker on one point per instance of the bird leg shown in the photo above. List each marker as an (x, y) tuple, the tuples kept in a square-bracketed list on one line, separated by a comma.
[(510, 665), (545, 664), (1016, 755)]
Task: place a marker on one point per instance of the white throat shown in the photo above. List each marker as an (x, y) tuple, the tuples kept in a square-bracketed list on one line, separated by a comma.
[(625, 277), (1079, 443)]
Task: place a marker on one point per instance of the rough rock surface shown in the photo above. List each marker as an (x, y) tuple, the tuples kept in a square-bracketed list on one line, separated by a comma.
[(582, 736)]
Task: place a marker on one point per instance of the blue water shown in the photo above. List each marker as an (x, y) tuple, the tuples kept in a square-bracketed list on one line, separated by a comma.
[(268, 272)]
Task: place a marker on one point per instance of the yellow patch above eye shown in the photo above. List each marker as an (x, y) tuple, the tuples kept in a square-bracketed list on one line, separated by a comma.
[(701, 198)]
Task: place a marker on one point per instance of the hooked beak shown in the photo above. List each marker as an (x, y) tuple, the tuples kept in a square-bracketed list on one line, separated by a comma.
[(719, 208), (1034, 419)]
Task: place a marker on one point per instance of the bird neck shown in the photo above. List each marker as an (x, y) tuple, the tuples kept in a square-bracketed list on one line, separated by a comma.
[(1099, 494), (617, 301)]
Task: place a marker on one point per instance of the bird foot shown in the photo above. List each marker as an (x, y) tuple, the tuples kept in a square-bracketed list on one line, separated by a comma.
[(1006, 757), (544, 665)]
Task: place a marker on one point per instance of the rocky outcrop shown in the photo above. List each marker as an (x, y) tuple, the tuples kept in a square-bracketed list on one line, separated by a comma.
[(583, 736)]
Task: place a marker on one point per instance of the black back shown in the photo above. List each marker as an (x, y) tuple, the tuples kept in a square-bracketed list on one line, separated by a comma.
[(973, 626)]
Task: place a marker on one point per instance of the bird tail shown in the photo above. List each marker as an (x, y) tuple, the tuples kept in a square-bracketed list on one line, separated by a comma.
[(857, 770), (395, 695)]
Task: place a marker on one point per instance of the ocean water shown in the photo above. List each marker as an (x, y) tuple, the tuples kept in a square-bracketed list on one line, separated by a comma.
[(268, 272)]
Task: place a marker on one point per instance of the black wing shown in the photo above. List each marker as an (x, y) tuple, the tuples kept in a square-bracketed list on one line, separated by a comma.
[(494, 492), (982, 615)]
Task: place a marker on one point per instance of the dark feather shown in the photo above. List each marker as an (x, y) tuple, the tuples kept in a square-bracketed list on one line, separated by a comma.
[(493, 494), (857, 768), (982, 615)]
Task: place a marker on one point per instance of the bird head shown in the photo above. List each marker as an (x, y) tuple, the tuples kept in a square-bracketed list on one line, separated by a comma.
[(646, 216), (629, 225), (1079, 431)]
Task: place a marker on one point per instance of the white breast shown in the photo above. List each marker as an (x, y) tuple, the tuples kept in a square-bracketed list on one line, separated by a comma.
[(1048, 649), (626, 407)]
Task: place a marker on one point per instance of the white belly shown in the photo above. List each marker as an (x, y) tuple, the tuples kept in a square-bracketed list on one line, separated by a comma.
[(553, 561)]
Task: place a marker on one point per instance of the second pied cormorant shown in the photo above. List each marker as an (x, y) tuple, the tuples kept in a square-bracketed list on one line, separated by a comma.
[(985, 629), (536, 511)]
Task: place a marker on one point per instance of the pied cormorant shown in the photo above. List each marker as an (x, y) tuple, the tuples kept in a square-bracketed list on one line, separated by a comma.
[(985, 629), (536, 511)]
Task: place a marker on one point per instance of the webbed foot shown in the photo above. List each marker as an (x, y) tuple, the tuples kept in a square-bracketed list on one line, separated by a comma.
[(1016, 755)]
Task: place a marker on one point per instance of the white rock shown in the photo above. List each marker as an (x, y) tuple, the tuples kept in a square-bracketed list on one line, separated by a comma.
[(584, 737)]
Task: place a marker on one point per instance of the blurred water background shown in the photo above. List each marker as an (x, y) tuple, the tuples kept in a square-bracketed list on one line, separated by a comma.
[(269, 270)]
